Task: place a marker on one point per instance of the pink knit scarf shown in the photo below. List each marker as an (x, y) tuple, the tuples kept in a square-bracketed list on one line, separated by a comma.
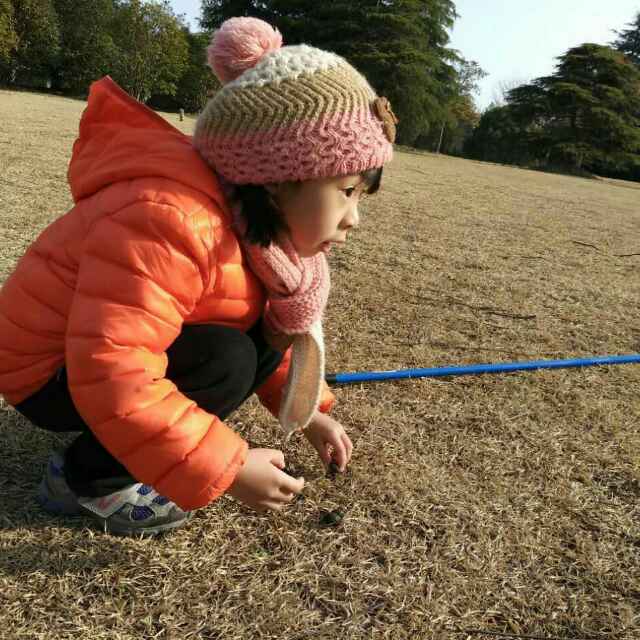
[(297, 288)]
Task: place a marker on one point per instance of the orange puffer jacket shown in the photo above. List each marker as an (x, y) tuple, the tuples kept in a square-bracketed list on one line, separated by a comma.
[(106, 288)]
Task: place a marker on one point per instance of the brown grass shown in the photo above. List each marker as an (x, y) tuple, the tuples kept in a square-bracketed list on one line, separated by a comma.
[(507, 503)]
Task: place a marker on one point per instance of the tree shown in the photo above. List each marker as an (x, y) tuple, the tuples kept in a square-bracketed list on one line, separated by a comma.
[(584, 117), (501, 90), (460, 120), (198, 81), (530, 112), (38, 42), (8, 35), (215, 12), (628, 41), (152, 48), (88, 51), (498, 138), (399, 45), (460, 113), (594, 119)]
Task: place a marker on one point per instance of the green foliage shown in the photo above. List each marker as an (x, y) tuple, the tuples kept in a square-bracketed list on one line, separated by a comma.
[(498, 138), (34, 55), (460, 115), (585, 117), (198, 81), (68, 44), (8, 35), (594, 114), (399, 45), (215, 12), (628, 41), (88, 51), (153, 50)]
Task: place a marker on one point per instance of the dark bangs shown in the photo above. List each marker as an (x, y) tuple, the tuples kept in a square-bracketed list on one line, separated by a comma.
[(372, 179)]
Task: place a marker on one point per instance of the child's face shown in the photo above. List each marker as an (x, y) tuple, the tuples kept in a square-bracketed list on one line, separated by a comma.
[(319, 212)]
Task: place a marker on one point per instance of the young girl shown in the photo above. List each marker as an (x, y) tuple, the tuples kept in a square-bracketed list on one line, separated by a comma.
[(191, 273)]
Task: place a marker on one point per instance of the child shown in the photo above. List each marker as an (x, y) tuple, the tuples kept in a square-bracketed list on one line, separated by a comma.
[(175, 286)]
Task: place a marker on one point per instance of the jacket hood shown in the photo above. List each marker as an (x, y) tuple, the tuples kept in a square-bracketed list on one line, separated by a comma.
[(122, 139)]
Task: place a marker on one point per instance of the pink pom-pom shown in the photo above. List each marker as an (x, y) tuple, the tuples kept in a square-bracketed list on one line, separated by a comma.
[(240, 44)]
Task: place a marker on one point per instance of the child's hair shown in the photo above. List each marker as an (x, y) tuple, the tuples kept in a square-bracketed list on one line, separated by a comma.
[(264, 221)]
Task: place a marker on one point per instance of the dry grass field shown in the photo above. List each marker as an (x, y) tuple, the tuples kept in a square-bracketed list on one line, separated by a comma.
[(475, 507)]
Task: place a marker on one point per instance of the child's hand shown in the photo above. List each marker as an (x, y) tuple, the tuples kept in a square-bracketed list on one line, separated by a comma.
[(330, 440), (261, 484)]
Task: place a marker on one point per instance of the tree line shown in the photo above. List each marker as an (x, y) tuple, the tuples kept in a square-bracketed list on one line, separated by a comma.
[(64, 45), (584, 118), (400, 45)]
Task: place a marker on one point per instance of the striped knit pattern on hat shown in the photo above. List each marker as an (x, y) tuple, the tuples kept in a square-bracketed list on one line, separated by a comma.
[(299, 113)]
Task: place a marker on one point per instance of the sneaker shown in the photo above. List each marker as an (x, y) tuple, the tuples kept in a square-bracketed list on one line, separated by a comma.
[(132, 511), (54, 494)]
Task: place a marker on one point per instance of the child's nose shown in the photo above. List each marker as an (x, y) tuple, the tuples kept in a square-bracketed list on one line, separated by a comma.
[(351, 220)]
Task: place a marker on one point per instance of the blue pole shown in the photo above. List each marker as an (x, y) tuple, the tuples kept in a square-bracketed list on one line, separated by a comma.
[(436, 372)]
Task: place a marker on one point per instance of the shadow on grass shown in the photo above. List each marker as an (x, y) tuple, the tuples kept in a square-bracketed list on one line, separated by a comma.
[(34, 542), (30, 538)]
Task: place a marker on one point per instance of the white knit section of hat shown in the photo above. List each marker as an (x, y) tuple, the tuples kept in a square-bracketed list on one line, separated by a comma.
[(286, 63)]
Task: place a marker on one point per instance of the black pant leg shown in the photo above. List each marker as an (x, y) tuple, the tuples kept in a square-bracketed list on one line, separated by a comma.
[(269, 359), (214, 366), (86, 460), (51, 407), (217, 367)]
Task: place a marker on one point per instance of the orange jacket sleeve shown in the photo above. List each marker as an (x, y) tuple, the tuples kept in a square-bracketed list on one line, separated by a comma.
[(142, 272), (270, 393)]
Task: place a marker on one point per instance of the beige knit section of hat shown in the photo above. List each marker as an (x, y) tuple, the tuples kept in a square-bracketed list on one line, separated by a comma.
[(309, 97)]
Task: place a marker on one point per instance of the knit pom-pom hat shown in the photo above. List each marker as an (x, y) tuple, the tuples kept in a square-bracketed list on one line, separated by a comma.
[(288, 113)]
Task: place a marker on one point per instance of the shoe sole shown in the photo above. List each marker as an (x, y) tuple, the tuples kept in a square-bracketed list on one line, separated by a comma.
[(58, 508), (117, 530)]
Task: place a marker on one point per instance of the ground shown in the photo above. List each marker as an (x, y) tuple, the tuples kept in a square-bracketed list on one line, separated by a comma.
[(504, 503)]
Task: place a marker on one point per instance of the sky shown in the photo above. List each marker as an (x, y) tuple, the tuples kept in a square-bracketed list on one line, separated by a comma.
[(515, 41)]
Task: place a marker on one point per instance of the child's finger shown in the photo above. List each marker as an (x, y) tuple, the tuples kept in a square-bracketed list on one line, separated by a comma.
[(291, 485), (348, 445), (340, 454), (277, 458), (326, 452)]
